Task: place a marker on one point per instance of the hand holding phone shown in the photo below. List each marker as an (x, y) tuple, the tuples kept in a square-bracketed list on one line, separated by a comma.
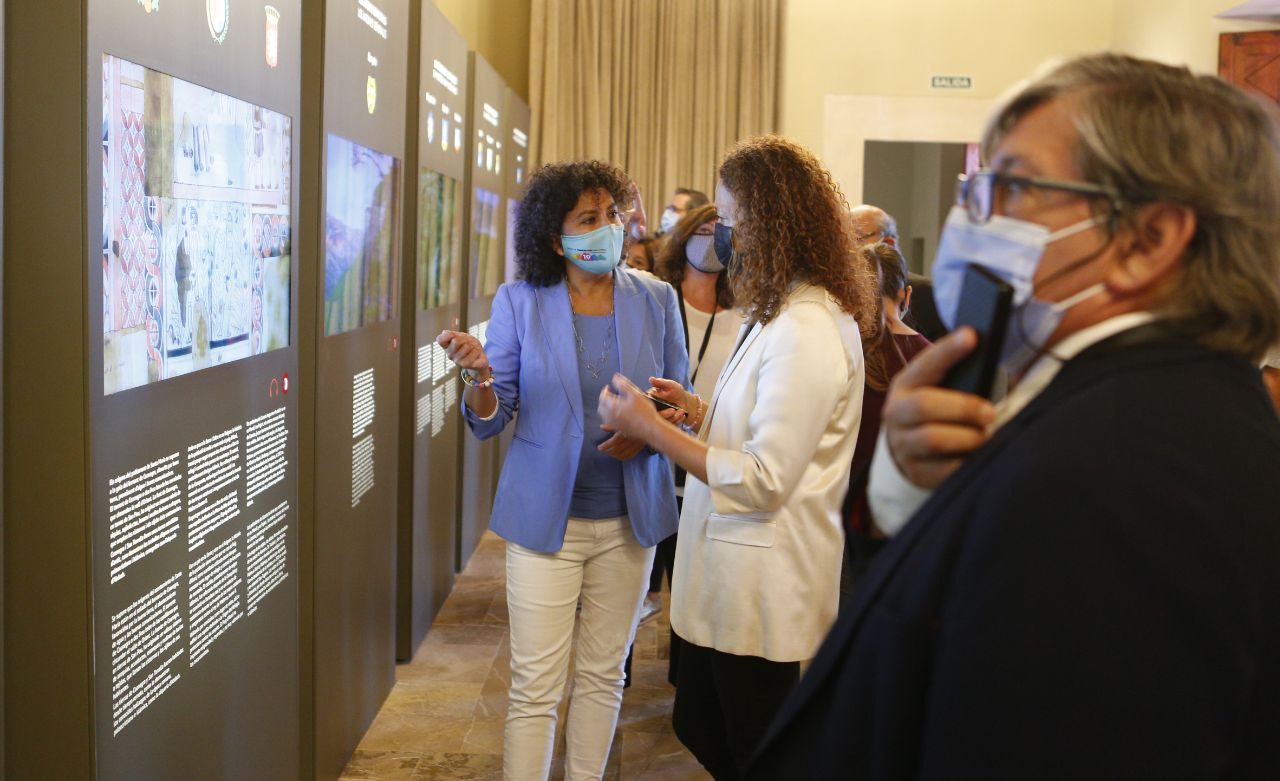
[(986, 301)]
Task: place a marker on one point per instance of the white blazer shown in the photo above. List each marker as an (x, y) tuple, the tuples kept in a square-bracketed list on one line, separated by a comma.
[(757, 568)]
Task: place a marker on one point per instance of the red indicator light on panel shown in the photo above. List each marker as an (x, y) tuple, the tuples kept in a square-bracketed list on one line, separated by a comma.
[(284, 383), (395, 343)]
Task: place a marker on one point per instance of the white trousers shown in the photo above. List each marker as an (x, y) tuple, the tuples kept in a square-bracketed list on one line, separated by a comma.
[(601, 562)]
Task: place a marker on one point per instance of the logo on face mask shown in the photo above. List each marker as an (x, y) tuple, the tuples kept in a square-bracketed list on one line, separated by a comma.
[(596, 252)]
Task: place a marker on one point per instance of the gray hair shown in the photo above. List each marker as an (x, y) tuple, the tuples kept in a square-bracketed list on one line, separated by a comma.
[(1158, 133)]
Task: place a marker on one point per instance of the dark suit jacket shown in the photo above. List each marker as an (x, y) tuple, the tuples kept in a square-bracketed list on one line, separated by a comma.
[(1094, 594)]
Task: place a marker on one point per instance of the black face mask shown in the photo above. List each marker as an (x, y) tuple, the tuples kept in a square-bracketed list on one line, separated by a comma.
[(724, 245)]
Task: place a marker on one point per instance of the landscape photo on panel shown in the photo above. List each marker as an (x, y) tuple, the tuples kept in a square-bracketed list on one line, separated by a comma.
[(439, 239), (195, 227), (360, 254), (486, 258)]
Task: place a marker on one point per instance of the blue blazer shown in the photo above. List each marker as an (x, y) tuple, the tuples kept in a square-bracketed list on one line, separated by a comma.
[(531, 347)]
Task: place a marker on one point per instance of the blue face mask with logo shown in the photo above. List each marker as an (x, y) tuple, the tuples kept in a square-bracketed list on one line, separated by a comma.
[(597, 252)]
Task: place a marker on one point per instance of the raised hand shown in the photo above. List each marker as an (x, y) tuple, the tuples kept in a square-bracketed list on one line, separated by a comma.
[(930, 430), (464, 350)]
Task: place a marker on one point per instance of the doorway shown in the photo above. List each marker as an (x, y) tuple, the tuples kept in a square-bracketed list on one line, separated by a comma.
[(915, 183)]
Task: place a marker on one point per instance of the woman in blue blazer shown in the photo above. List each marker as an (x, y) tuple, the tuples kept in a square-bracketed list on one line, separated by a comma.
[(579, 506)]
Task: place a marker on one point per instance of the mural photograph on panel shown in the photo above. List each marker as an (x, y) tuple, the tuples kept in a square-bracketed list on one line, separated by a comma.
[(486, 260), (361, 208), (195, 238), (439, 238)]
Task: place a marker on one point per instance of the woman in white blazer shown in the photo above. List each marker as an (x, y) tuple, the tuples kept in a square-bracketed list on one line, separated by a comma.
[(758, 560)]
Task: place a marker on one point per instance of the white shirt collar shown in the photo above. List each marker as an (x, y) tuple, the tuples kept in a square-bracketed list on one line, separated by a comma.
[(1046, 367)]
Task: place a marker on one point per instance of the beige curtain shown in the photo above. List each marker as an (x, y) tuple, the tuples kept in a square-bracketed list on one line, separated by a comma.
[(660, 87)]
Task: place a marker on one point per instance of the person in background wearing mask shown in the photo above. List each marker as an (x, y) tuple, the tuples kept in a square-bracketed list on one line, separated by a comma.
[(682, 201), (887, 350), (758, 560), (580, 505), (1088, 586), (640, 253)]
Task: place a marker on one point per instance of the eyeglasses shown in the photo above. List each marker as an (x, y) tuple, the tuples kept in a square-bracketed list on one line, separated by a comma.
[(987, 192)]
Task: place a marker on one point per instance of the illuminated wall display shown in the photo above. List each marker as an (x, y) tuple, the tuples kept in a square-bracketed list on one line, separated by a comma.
[(362, 208), (518, 119), (194, 445), (196, 237)]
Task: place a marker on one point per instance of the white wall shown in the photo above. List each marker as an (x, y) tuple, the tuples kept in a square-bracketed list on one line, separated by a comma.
[(890, 48), (1179, 32)]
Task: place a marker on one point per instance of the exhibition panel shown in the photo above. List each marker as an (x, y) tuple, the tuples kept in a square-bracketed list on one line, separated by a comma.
[(517, 117), (192, 422), (428, 530), (485, 272), (357, 424)]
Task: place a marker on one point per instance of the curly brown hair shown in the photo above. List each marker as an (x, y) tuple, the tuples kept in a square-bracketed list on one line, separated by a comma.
[(671, 261), (792, 227)]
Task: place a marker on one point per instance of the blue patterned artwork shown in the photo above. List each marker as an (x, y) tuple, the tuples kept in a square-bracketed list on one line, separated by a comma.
[(195, 221)]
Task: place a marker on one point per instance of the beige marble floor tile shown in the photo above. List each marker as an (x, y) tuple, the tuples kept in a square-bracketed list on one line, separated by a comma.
[(466, 634), (403, 732), (441, 662), (646, 709), (458, 766), (381, 765), (444, 718)]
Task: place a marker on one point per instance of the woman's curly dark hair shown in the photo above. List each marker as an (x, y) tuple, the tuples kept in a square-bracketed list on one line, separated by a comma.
[(671, 262), (552, 193), (792, 226)]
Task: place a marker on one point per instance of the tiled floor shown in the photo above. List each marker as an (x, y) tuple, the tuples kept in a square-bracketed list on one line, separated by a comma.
[(443, 719)]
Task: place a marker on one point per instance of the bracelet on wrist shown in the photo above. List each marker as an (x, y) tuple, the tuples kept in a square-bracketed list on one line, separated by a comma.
[(469, 378)]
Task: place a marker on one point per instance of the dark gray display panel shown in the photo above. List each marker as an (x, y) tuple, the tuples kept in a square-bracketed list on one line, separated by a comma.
[(516, 117), (428, 535), (365, 72), (487, 155), (192, 187)]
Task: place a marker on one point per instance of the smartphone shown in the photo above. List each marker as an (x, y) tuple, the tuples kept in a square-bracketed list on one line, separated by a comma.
[(986, 301), (661, 403)]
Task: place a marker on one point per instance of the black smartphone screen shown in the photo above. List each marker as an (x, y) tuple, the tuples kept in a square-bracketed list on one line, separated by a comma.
[(985, 303), (661, 403)]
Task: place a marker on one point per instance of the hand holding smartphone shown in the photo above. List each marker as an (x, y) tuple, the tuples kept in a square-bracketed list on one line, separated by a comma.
[(659, 404), (986, 302)]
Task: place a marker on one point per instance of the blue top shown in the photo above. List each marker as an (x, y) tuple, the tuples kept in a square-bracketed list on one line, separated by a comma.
[(534, 355), (597, 491)]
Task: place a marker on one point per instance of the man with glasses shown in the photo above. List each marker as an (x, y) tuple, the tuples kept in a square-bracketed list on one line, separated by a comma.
[(872, 224), (1084, 578)]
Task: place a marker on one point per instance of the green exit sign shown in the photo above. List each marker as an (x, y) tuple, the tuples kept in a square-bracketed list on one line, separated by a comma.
[(952, 82)]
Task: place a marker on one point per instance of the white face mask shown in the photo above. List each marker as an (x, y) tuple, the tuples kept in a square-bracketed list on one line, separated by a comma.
[(1011, 249), (700, 251), (667, 222)]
